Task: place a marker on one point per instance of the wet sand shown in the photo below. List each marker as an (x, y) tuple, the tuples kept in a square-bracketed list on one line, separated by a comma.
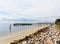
[(18, 36)]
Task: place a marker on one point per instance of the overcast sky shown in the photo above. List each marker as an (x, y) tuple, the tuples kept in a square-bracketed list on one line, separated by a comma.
[(12, 9)]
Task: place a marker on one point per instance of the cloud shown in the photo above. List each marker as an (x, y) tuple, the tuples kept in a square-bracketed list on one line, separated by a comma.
[(13, 9)]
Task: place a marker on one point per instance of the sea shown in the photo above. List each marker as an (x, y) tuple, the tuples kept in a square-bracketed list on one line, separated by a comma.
[(4, 28), (5, 32)]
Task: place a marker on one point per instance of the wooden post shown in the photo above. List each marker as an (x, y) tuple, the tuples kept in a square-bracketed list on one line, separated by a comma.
[(10, 28)]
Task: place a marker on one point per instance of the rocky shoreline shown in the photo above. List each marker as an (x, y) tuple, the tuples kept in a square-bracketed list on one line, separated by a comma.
[(47, 35)]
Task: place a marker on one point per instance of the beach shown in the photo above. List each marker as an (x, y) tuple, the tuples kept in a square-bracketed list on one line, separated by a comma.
[(8, 39), (45, 35)]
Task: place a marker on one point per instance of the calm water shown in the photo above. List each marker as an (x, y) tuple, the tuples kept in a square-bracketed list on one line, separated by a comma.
[(4, 28)]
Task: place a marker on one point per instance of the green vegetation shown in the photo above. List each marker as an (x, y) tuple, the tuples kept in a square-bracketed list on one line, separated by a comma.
[(57, 22), (58, 27)]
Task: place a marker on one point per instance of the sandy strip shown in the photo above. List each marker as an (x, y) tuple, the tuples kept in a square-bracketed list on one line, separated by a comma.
[(22, 35)]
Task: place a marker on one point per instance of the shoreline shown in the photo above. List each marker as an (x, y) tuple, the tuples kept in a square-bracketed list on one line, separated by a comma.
[(20, 36)]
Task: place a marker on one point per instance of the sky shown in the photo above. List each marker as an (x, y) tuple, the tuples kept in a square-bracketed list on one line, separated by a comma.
[(18, 9)]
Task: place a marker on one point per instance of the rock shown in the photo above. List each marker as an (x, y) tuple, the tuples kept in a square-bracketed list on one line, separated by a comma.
[(47, 35)]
